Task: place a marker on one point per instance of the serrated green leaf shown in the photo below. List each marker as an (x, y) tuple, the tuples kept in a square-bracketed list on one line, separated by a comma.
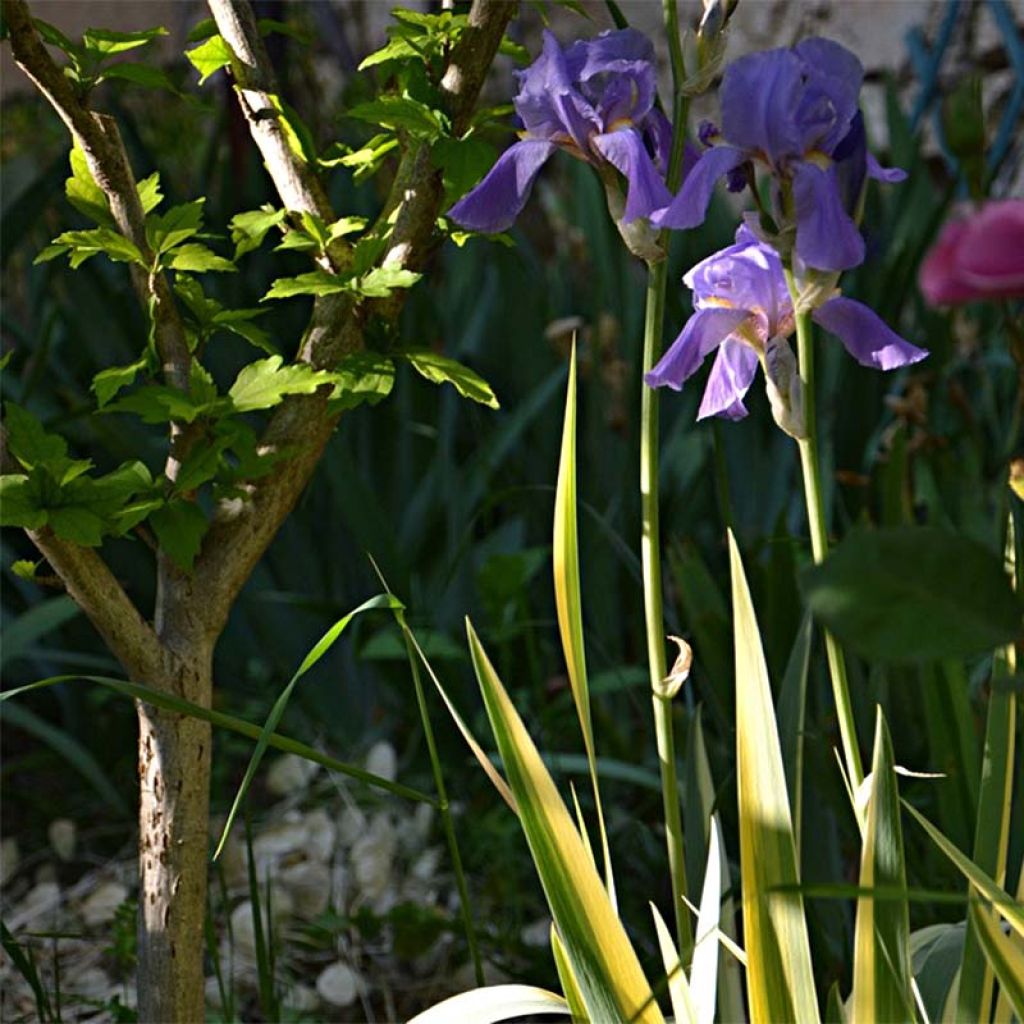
[(345, 226), (164, 231), (157, 403), (298, 241), (197, 258), (397, 49), (237, 321), (83, 193), (105, 42), (265, 383), (315, 282), (441, 370), (78, 524), (201, 464), (83, 245), (362, 377), (150, 195), (210, 56), (20, 502), (380, 282), (881, 965), (366, 160), (403, 113), (248, 229), (29, 441), (180, 527)]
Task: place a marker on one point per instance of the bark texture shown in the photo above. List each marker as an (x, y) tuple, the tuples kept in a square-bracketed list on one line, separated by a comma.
[(174, 653)]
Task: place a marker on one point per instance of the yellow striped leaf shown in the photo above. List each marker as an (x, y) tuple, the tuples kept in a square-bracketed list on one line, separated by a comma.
[(493, 1004), (565, 558), (780, 979), (606, 969), (881, 965)]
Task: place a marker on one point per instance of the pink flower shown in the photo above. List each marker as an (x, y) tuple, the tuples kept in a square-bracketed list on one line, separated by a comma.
[(977, 257)]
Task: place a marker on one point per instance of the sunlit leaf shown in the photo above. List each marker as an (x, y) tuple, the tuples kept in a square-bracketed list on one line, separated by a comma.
[(780, 978)]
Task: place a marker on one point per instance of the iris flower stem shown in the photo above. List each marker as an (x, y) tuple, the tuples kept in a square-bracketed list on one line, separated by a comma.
[(811, 464), (650, 557)]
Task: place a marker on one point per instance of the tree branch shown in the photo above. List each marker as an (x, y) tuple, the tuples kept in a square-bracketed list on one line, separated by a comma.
[(100, 141), (242, 530)]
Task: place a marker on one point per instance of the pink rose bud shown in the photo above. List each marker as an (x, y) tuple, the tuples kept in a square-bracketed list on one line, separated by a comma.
[(977, 257)]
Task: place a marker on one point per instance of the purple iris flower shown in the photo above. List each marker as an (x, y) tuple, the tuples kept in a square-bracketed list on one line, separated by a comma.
[(742, 308), (594, 99), (797, 112)]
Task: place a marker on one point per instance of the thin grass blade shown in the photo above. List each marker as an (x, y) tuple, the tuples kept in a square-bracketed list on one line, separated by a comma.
[(881, 965), (319, 649), (1004, 1008), (1011, 910), (610, 979), (169, 702), (792, 711), (780, 978), (565, 557)]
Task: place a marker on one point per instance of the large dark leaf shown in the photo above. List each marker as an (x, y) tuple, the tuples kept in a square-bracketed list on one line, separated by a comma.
[(913, 593)]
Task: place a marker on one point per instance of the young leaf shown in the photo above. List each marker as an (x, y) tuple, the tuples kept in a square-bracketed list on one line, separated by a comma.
[(780, 978), (362, 377), (83, 245), (196, 258), (881, 966), (403, 113), (180, 527), (29, 441), (611, 981), (250, 228), (20, 503), (913, 592), (264, 383), (316, 282), (83, 193), (209, 57), (237, 321), (139, 74), (440, 369), (105, 42), (164, 231), (157, 403), (380, 282)]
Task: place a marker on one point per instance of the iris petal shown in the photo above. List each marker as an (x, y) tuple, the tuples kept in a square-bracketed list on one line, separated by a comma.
[(496, 202), (826, 238), (729, 381), (625, 151), (703, 333), (690, 206), (866, 336), (892, 175)]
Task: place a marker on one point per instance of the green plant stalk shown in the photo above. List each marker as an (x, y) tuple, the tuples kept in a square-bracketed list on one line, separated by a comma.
[(443, 806), (995, 798), (650, 558), (811, 465)]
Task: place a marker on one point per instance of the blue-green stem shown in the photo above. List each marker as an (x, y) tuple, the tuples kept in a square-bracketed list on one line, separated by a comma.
[(650, 558), (811, 465), (443, 806)]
